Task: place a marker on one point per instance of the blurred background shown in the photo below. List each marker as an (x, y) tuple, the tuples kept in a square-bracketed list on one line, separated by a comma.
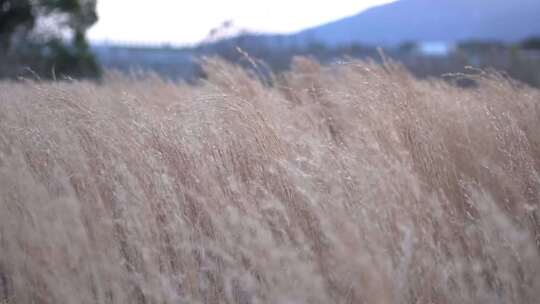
[(59, 39)]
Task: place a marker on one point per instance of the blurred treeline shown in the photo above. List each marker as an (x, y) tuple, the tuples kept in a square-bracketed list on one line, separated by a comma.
[(46, 38), (520, 61), (265, 54)]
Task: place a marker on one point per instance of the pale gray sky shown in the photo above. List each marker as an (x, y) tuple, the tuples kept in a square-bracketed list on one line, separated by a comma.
[(187, 22)]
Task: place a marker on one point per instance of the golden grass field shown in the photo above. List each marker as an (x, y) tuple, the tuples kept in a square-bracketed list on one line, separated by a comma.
[(351, 183)]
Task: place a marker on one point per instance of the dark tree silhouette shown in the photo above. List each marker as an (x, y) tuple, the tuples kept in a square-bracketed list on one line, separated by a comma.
[(532, 43), (47, 36)]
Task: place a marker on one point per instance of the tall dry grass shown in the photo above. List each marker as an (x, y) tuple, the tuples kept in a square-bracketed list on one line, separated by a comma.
[(354, 183)]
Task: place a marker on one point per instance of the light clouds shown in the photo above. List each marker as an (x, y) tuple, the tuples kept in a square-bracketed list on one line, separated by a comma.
[(186, 22)]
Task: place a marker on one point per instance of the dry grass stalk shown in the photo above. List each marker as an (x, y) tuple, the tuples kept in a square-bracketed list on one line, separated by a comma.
[(346, 184)]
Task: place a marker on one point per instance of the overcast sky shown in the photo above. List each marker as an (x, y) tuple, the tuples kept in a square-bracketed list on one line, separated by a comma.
[(187, 22)]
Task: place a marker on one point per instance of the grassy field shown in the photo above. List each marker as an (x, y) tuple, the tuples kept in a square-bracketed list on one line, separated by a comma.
[(353, 183)]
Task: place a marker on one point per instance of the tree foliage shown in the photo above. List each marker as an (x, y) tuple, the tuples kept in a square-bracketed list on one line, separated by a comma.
[(48, 35)]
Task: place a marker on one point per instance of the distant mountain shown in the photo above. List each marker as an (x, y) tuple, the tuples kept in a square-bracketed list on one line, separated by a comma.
[(432, 20)]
